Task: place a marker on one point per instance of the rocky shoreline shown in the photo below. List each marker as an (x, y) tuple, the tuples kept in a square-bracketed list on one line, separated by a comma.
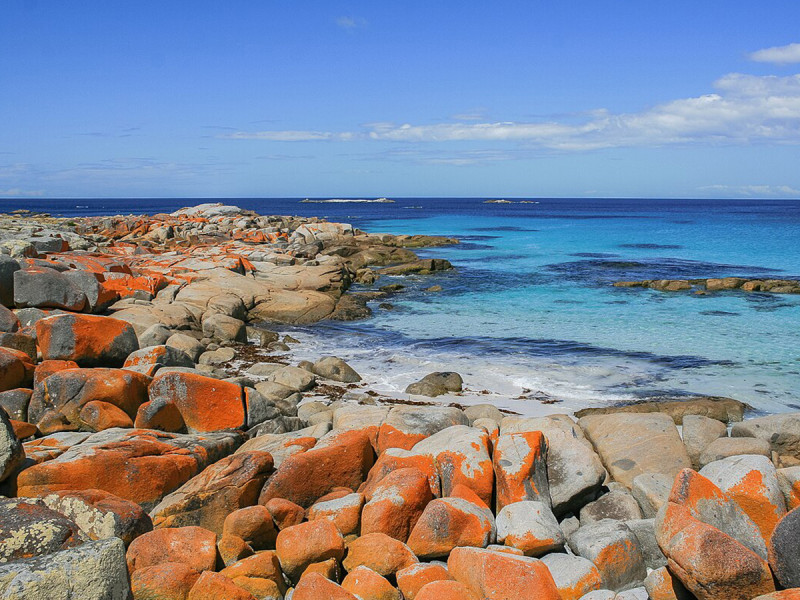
[(155, 443), (727, 284)]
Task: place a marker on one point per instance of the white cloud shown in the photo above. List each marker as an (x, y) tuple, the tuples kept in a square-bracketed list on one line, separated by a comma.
[(20, 193), (757, 191), (747, 109), (781, 55), (351, 23)]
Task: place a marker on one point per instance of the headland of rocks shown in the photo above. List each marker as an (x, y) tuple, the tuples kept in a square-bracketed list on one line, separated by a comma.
[(156, 444)]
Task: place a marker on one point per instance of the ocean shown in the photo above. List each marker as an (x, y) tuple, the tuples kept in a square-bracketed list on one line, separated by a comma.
[(530, 318)]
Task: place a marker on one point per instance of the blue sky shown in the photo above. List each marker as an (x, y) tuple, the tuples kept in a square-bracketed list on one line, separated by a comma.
[(278, 98)]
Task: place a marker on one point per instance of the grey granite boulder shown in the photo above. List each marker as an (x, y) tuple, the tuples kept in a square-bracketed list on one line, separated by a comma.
[(224, 328), (651, 491), (15, 403), (294, 378), (632, 444), (615, 551), (782, 431), (617, 505), (645, 532), (47, 288), (11, 451), (155, 335), (187, 343), (28, 528), (8, 266), (784, 550), (529, 526), (95, 570), (699, 432), (726, 447), (436, 384), (335, 369), (573, 573), (8, 320)]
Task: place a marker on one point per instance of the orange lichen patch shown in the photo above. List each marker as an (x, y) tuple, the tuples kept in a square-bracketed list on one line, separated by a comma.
[(391, 437), (205, 403), (22, 429), (520, 466), (752, 495), (397, 503), (393, 460), (194, 547), (303, 442), (305, 477), (165, 417), (97, 415), (379, 552), (253, 524), (264, 565), (501, 576), (214, 586), (140, 467), (317, 587), (614, 561), (457, 468), (285, 513), (450, 522), (125, 285), (16, 369), (232, 548), (344, 512), (89, 340), (792, 594), (329, 569), (166, 581), (366, 583), (307, 543), (412, 579), (446, 590), (466, 493), (708, 562)]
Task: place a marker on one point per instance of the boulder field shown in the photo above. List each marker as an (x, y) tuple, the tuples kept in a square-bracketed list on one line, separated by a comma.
[(153, 445)]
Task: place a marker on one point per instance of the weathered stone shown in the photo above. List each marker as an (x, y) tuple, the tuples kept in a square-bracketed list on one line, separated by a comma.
[(12, 453), (224, 328), (298, 380), (8, 266), (450, 522), (436, 384), (300, 545), (698, 432), (726, 447), (445, 590), (404, 426), (632, 444), (16, 369), (529, 526), (193, 546), (366, 583), (166, 581), (662, 585), (344, 512), (46, 288), (782, 431), (645, 532), (615, 551), (413, 578), (89, 340), (29, 529), (317, 587), (574, 576), (651, 491), (788, 480), (8, 320), (260, 574), (722, 409), (163, 356), (520, 467), (155, 335), (784, 550), (214, 586), (15, 403), (186, 343), (379, 552), (396, 503), (207, 499), (616, 504), (93, 570), (336, 369)]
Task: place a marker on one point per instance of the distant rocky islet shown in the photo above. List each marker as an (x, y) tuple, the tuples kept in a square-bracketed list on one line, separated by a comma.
[(156, 443)]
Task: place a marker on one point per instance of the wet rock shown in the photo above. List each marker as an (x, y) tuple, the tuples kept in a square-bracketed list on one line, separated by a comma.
[(722, 409), (615, 551), (335, 369), (483, 411), (350, 307), (436, 384), (698, 433), (93, 570), (531, 527), (12, 453), (447, 523), (574, 576), (500, 575), (47, 288), (301, 545), (632, 444), (207, 499), (89, 340), (753, 483), (784, 550)]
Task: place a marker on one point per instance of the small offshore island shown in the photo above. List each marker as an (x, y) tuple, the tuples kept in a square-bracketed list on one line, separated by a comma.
[(159, 440)]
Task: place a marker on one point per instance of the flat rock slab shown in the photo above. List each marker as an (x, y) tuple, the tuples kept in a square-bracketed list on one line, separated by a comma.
[(722, 409), (633, 444)]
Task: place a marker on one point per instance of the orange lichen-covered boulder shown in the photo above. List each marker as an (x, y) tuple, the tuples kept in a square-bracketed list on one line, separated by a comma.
[(663, 585), (752, 482), (16, 369), (446, 590), (206, 500), (709, 504), (574, 576), (501, 576), (368, 585), (165, 581), (47, 367), (285, 513), (792, 594), (141, 466), (520, 468), (397, 458), (300, 545), (614, 549), (89, 340), (462, 456), (215, 586), (163, 356), (337, 460), (253, 573), (529, 526), (709, 563), (316, 587), (193, 546), (232, 548), (414, 577), (343, 511), (379, 552), (397, 503), (204, 403), (450, 522), (404, 426), (253, 524), (88, 399), (789, 480)]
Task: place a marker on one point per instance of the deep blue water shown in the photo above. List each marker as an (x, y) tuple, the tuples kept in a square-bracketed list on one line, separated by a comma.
[(531, 305)]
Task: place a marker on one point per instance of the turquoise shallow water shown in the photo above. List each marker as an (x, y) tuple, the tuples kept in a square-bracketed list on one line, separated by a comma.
[(531, 310)]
